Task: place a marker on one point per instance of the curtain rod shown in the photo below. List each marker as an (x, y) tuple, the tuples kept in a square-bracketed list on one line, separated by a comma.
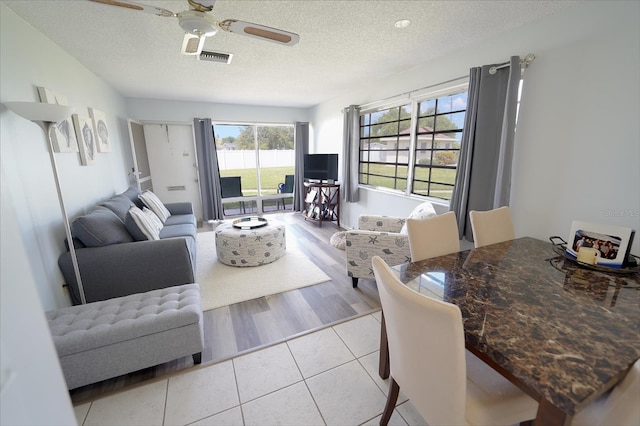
[(523, 62), (370, 104)]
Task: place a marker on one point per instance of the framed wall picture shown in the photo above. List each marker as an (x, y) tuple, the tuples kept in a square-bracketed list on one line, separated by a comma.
[(599, 244), (100, 129), (86, 139), (62, 134)]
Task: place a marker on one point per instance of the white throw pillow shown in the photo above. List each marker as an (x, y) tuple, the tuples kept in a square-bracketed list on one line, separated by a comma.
[(422, 211), (155, 221), (152, 201), (145, 225)]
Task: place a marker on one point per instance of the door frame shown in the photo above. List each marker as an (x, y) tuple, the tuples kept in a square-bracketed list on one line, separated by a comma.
[(146, 182)]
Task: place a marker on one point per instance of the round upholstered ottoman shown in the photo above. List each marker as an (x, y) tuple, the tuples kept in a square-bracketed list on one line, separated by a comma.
[(250, 247)]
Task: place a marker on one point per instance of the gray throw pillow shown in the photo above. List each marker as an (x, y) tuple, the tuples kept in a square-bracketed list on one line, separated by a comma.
[(120, 205), (132, 193), (100, 227)]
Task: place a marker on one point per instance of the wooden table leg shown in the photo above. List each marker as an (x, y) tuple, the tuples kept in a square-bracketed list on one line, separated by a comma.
[(383, 366), (550, 415)]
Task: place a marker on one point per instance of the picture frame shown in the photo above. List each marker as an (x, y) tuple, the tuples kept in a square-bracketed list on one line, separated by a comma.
[(62, 134), (86, 139), (100, 129), (606, 245)]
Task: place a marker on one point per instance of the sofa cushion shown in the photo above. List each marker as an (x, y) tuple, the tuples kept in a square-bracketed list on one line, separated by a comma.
[(152, 201), (180, 219), (132, 193), (422, 211), (182, 230), (100, 227), (120, 205), (140, 226)]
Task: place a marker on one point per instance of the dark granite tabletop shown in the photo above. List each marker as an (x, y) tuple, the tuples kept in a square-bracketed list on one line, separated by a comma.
[(566, 333)]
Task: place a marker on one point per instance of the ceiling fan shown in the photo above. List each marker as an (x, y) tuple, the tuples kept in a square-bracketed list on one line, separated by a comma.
[(199, 24)]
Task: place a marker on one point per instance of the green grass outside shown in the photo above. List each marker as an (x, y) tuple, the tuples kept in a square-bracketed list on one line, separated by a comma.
[(270, 178), (437, 175)]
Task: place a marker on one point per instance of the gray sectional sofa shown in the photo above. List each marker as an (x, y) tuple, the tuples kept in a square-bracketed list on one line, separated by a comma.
[(115, 260)]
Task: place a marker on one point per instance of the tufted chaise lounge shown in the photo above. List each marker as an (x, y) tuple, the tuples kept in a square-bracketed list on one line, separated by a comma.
[(106, 339)]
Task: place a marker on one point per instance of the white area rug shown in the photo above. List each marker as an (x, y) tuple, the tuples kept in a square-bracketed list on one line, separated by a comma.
[(222, 285)]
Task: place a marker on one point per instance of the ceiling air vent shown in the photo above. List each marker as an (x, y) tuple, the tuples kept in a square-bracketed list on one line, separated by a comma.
[(223, 58)]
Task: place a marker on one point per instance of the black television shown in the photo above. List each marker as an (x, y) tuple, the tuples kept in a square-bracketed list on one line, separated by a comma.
[(321, 167)]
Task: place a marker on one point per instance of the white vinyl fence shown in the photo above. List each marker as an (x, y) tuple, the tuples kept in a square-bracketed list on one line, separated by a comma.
[(246, 159)]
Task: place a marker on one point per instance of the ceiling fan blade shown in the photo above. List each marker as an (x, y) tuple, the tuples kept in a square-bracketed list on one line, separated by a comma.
[(138, 6), (202, 5), (260, 31)]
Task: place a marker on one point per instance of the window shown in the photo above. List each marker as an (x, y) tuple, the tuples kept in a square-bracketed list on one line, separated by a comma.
[(413, 148), (439, 133), (261, 155), (385, 142)]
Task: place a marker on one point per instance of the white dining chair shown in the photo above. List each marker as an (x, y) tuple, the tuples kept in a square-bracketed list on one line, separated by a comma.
[(433, 236), (491, 226), (620, 406), (428, 361)]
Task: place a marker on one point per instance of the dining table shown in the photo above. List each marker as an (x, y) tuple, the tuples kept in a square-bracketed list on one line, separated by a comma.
[(562, 332)]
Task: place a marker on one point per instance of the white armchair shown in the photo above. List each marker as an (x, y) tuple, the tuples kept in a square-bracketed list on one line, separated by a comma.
[(375, 236)]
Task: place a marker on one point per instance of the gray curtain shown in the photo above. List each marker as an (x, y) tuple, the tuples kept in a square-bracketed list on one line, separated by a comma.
[(301, 147), (350, 153), (483, 180), (208, 170)]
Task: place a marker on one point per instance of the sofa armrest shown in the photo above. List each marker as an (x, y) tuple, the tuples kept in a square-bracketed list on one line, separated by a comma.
[(180, 208), (121, 269), (361, 246), (380, 223)]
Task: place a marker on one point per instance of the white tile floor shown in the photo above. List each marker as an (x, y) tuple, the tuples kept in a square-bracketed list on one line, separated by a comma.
[(329, 377)]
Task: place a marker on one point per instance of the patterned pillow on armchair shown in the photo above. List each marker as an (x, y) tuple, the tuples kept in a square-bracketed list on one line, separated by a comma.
[(422, 211)]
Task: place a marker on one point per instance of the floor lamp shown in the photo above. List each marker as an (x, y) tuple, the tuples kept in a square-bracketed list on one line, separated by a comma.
[(46, 115)]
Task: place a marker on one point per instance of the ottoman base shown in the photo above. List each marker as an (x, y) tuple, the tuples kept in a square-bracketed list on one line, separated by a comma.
[(101, 340), (250, 247)]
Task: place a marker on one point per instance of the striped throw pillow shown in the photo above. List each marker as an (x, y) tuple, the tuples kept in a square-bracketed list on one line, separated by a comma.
[(143, 223), (155, 221), (152, 201)]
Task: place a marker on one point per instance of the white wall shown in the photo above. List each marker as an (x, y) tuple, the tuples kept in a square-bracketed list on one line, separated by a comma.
[(163, 111), (28, 59), (33, 388), (578, 119)]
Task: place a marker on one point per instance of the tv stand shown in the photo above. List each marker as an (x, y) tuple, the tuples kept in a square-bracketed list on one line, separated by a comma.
[(322, 202)]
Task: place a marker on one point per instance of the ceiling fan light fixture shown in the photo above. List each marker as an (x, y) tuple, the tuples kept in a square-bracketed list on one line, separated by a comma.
[(197, 23), (192, 44)]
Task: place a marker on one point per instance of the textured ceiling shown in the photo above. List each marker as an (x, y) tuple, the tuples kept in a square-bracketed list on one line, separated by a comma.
[(342, 44)]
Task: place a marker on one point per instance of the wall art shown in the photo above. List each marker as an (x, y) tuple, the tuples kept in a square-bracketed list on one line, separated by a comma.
[(100, 129), (62, 134), (86, 139)]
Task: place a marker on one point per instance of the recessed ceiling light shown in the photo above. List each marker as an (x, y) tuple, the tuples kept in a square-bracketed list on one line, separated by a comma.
[(402, 23)]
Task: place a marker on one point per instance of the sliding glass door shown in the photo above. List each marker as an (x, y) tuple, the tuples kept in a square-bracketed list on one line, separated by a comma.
[(261, 155)]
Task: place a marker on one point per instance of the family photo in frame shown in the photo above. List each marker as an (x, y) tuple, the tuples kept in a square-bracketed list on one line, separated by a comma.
[(599, 244)]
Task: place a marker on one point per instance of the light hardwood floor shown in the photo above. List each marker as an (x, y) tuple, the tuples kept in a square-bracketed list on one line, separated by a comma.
[(247, 326)]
